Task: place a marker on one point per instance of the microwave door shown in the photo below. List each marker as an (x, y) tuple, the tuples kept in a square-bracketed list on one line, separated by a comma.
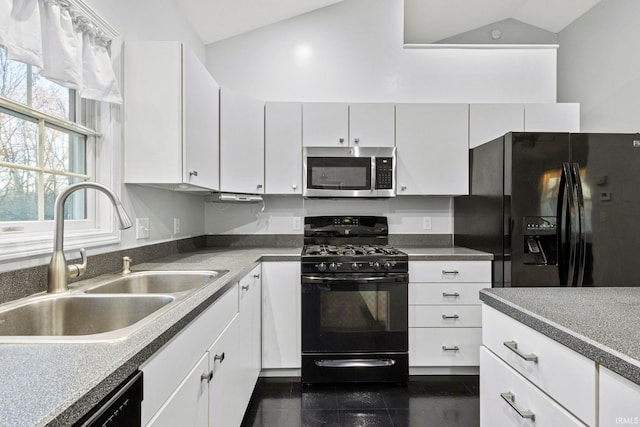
[(339, 176)]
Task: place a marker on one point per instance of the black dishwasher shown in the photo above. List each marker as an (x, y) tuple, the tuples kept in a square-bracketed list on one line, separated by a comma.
[(121, 408)]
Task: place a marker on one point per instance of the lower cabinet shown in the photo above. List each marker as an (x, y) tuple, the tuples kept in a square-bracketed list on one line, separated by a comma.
[(619, 400), (206, 374)]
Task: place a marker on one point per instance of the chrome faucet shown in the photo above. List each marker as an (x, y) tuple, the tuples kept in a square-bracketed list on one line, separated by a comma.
[(59, 272)]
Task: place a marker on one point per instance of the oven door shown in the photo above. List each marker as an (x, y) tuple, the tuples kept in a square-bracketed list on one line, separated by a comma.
[(356, 313)]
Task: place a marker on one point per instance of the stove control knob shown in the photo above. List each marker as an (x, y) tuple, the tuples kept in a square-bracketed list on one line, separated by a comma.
[(322, 266), (355, 266), (333, 266), (387, 266), (377, 266)]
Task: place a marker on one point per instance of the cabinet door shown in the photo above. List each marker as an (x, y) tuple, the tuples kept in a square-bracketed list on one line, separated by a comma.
[(619, 400), (241, 143), (490, 121), (189, 404), (432, 142), (153, 119), (201, 129), (250, 334), (372, 125), (281, 345), (325, 125), (552, 117), (226, 408), (283, 148)]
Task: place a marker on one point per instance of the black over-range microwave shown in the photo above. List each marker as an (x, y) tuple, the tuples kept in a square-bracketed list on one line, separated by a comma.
[(349, 172)]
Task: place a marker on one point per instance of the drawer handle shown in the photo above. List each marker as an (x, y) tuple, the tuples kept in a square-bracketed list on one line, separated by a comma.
[(513, 346), (453, 272), (511, 400), (454, 348), (453, 316), (218, 357), (453, 295), (207, 376)]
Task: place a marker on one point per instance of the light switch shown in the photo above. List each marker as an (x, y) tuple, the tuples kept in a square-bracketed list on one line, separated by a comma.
[(426, 223), (142, 228)]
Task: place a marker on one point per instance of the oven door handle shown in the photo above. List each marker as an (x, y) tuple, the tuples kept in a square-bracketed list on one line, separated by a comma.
[(389, 278), (355, 363)]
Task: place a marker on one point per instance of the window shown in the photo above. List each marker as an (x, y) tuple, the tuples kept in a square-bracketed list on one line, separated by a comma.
[(43, 150)]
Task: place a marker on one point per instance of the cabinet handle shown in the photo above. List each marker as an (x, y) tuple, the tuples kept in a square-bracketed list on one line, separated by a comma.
[(218, 357), (453, 295), (454, 348), (452, 272), (259, 186), (356, 140), (193, 173), (403, 187), (511, 400), (207, 376), (244, 288), (294, 186), (341, 140), (453, 316), (513, 346), (256, 276)]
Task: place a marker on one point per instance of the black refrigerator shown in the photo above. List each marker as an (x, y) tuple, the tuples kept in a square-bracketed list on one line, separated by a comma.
[(555, 209)]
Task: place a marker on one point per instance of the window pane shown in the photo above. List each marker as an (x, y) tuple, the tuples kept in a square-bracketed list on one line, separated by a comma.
[(74, 208), (13, 79), (50, 97), (64, 150), (18, 139), (18, 195)]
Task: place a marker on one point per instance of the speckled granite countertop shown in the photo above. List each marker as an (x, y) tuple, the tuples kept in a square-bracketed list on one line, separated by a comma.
[(599, 323), (56, 383)]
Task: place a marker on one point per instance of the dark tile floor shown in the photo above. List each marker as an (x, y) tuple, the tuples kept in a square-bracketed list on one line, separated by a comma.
[(426, 401)]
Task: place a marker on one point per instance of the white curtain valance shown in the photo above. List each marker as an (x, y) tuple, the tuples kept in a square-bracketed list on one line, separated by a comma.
[(57, 37)]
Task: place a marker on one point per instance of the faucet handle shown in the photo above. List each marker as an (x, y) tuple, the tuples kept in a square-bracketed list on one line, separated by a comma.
[(126, 265), (77, 270)]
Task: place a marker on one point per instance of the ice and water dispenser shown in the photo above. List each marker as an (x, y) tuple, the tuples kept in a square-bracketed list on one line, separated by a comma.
[(540, 240)]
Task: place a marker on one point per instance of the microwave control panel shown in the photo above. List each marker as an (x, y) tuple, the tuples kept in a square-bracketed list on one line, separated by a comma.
[(384, 173)]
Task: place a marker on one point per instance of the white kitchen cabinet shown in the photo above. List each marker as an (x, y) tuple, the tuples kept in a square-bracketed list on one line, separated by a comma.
[(507, 399), (342, 125), (241, 143), (619, 400), (171, 118), (490, 121), (250, 336), (283, 148), (445, 324), (564, 375), (560, 117), (432, 143), (281, 341)]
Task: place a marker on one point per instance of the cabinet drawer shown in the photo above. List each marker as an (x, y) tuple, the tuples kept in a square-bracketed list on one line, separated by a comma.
[(566, 376), (446, 293), (499, 383), (445, 316), (444, 346), (165, 370), (450, 271), (619, 399)]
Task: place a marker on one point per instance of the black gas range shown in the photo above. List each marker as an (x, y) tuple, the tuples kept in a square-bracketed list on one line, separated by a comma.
[(354, 301)]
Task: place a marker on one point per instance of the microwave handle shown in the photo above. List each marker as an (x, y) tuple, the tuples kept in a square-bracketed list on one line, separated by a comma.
[(373, 174)]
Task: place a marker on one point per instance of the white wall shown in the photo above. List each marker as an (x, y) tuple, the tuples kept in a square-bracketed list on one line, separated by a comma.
[(405, 214), (352, 51), (599, 67)]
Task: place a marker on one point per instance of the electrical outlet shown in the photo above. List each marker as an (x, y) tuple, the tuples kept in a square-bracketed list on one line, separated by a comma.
[(426, 223), (297, 225), (142, 228), (176, 226)]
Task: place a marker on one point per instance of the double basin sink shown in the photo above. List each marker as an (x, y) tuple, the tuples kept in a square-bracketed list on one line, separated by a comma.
[(105, 309)]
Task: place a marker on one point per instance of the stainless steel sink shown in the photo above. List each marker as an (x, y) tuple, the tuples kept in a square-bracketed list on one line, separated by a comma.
[(104, 317), (156, 282)]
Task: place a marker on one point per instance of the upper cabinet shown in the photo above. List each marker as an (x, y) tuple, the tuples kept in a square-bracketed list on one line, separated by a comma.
[(432, 143), (283, 148), (342, 125), (171, 118), (563, 117), (490, 121), (241, 143)]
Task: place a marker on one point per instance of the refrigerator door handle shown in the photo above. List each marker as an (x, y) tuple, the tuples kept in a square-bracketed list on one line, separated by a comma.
[(567, 192), (581, 243)]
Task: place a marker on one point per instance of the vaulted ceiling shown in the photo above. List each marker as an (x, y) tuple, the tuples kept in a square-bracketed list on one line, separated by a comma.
[(435, 20)]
